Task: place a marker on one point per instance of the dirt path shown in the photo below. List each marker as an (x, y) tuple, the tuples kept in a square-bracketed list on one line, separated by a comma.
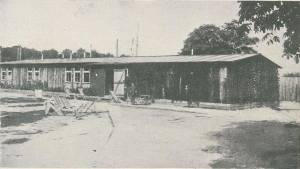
[(141, 138)]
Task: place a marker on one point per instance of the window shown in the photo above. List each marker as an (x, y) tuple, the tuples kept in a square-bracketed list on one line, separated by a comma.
[(3, 74), (68, 75), (86, 75), (77, 75), (37, 73), (9, 74), (29, 74)]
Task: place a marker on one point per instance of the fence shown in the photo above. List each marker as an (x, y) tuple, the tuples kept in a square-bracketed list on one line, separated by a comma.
[(290, 89)]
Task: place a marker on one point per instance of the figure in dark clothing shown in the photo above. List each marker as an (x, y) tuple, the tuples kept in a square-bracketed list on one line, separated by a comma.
[(193, 90), (132, 93)]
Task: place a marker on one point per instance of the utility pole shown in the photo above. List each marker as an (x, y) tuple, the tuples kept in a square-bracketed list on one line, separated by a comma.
[(131, 47), (137, 41), (90, 50), (117, 48)]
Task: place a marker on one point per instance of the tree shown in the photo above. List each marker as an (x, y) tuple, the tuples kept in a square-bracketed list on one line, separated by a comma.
[(67, 53), (9, 53), (50, 54), (80, 53), (209, 39), (236, 35), (269, 16), (30, 54), (96, 54)]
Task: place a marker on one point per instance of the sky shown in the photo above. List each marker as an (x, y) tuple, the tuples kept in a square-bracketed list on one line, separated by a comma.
[(161, 26)]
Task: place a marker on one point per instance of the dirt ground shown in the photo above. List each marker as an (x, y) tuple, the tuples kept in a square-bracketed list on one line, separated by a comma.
[(252, 138)]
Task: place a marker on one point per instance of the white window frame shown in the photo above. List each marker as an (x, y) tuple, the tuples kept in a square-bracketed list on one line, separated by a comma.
[(66, 74), (75, 72), (30, 71), (36, 70), (3, 70), (86, 70), (9, 71)]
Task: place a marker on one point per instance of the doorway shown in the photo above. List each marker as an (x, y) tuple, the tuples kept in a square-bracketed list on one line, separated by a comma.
[(98, 81)]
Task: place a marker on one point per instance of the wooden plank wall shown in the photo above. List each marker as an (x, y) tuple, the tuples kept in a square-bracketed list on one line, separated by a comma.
[(55, 77), (15, 76), (23, 76), (290, 89)]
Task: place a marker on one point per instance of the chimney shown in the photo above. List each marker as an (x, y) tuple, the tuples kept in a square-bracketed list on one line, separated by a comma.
[(71, 55), (42, 55), (19, 53), (90, 50)]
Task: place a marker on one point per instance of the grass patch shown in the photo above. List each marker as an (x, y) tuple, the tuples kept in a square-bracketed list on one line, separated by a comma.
[(266, 144)]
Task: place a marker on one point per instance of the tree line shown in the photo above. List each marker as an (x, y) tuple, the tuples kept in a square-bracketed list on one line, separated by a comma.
[(11, 54)]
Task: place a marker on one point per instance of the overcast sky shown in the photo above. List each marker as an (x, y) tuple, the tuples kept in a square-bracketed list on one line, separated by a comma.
[(163, 25)]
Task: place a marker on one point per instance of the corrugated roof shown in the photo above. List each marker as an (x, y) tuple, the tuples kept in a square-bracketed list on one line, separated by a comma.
[(141, 59)]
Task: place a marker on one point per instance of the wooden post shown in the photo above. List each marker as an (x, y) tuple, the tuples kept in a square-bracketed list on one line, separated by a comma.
[(180, 84), (0, 54), (223, 76)]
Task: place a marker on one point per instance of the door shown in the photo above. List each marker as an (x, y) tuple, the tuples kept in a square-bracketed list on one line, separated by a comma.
[(98, 81), (119, 81)]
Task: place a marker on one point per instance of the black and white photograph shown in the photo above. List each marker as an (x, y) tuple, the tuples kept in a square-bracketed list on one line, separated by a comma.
[(149, 84)]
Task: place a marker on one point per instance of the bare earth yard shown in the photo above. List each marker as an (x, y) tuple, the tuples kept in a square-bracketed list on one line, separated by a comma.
[(252, 138)]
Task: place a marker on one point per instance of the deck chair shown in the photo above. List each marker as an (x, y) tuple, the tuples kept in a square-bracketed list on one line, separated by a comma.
[(115, 99), (82, 94), (84, 108), (59, 105), (68, 93)]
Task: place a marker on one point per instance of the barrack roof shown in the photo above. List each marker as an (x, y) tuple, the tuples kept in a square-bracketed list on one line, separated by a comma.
[(141, 59)]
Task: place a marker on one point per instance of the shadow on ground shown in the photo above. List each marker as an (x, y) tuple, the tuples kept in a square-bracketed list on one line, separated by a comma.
[(29, 105), (266, 144), (18, 118), (15, 141), (5, 100)]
